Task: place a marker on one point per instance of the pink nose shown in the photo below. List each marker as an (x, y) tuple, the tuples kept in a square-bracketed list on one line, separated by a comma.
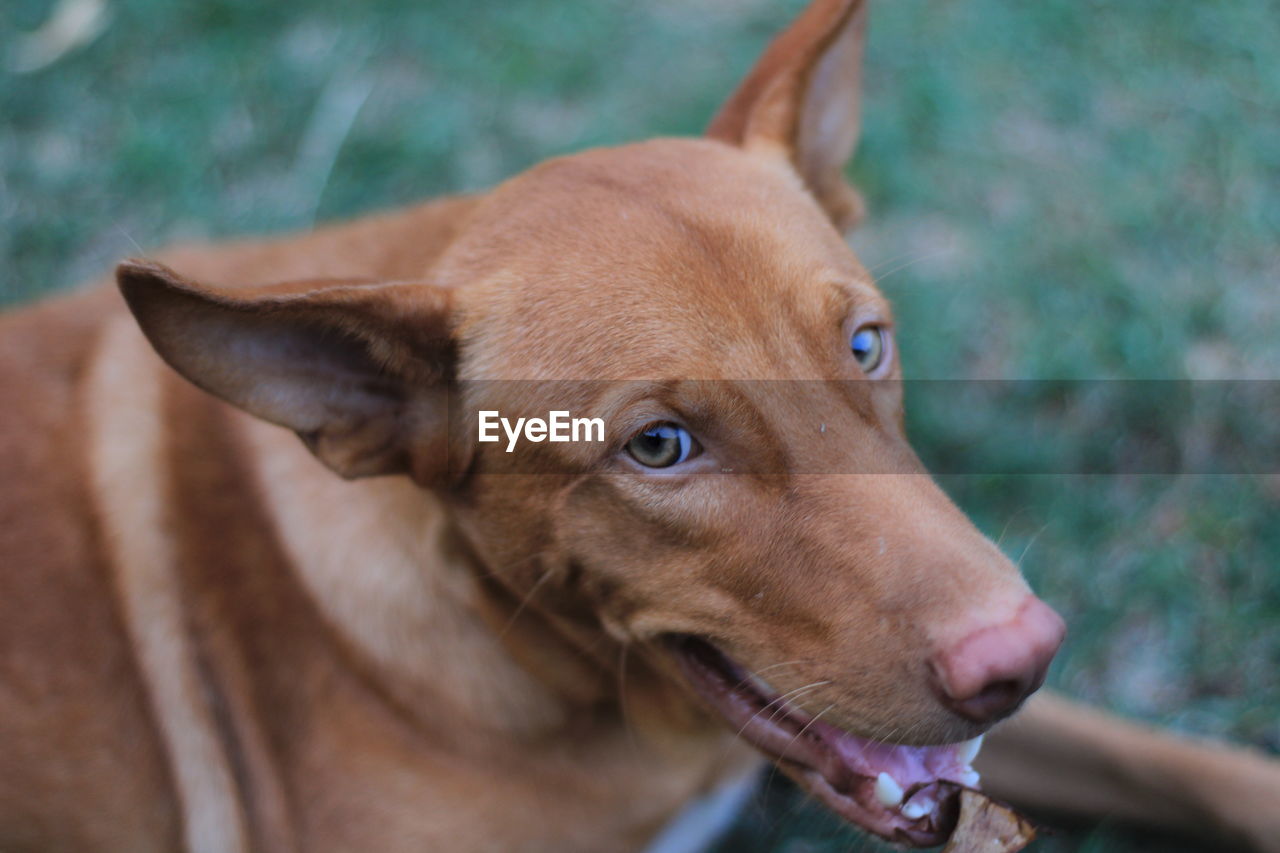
[(986, 674)]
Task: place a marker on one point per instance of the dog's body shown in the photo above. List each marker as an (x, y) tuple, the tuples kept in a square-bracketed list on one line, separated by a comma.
[(210, 642), (172, 564)]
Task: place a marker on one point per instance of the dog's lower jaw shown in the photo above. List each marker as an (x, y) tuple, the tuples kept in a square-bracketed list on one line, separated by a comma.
[(907, 794)]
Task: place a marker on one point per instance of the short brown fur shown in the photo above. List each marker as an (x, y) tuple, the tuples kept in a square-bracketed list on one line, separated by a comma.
[(211, 642)]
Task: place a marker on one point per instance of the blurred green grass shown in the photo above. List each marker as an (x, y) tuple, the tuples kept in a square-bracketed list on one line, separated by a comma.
[(1064, 189)]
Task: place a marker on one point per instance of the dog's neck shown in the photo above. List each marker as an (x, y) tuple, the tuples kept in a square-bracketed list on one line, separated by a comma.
[(373, 554), (437, 627)]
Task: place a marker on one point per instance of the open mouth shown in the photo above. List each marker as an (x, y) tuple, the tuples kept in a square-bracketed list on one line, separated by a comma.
[(906, 794)]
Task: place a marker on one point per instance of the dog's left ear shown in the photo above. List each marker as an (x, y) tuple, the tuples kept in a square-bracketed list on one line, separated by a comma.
[(359, 370), (801, 101)]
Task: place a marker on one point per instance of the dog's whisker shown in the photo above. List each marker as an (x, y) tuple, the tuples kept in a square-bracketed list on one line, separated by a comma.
[(528, 596), (1004, 530), (789, 699), (765, 669), (136, 246), (622, 700), (1027, 547), (923, 256), (501, 571), (773, 772), (757, 674), (911, 255), (880, 734), (774, 701), (738, 734)]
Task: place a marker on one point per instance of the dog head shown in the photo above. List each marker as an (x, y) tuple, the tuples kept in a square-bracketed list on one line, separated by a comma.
[(754, 518)]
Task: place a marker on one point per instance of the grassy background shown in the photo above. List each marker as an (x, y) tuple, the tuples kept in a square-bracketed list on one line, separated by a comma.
[(1064, 189)]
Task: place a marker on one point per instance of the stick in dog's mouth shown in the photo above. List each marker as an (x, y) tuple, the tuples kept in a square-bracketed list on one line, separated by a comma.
[(907, 794)]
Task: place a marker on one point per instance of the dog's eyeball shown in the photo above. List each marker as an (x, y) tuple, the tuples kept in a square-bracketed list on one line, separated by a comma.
[(868, 347), (662, 445)]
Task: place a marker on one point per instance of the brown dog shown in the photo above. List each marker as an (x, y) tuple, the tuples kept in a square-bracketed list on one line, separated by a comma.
[(210, 642)]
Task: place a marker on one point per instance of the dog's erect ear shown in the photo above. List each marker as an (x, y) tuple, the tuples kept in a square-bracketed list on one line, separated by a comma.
[(801, 101), (358, 369)]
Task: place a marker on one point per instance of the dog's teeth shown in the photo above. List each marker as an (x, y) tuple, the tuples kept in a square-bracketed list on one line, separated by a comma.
[(888, 791), (915, 811), (967, 751), (970, 778)]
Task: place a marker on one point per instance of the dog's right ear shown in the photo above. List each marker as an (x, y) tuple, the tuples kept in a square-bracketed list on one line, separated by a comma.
[(358, 369), (801, 102)]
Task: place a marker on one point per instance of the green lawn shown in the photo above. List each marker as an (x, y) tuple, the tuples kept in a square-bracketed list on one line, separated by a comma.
[(1059, 189)]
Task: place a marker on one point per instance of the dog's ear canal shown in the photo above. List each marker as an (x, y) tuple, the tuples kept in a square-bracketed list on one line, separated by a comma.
[(801, 101), (359, 370)]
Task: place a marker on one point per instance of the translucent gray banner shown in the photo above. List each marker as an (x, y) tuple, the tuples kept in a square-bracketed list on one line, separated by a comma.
[(957, 427)]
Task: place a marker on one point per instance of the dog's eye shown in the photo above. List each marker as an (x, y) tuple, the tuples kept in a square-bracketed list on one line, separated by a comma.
[(868, 347), (662, 445)]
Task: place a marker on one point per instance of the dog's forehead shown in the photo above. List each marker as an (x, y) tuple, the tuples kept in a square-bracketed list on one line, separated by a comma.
[(633, 256)]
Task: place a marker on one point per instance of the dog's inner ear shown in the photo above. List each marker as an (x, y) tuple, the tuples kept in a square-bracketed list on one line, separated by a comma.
[(358, 369), (801, 101)]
